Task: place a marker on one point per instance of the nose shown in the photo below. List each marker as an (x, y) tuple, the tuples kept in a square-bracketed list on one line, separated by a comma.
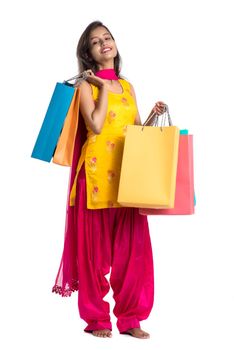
[(101, 42)]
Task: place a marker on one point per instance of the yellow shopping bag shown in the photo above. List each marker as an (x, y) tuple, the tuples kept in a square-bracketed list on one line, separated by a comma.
[(149, 166)]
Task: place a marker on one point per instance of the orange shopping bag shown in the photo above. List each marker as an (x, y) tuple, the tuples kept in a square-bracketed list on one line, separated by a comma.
[(64, 149)]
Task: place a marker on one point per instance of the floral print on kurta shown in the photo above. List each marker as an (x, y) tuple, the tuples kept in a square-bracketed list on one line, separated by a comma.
[(102, 153)]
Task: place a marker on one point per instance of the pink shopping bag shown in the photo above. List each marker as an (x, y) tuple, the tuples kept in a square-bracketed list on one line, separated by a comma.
[(184, 195)]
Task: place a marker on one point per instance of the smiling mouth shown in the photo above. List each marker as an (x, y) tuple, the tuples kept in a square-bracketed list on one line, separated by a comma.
[(107, 49)]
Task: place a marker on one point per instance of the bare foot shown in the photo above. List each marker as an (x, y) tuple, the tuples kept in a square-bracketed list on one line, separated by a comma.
[(137, 333), (104, 333)]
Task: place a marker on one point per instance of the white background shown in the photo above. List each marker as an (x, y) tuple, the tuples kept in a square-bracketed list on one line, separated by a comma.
[(180, 52)]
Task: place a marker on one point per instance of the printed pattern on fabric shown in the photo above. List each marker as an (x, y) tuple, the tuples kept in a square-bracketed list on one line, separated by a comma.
[(102, 153)]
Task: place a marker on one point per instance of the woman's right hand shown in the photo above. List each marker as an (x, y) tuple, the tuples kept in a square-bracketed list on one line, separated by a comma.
[(93, 79)]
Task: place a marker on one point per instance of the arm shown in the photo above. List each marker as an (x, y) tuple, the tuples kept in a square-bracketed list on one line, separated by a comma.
[(159, 107), (137, 119), (94, 115)]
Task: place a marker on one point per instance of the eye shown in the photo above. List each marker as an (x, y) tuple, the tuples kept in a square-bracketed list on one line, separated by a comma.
[(94, 42), (108, 38)]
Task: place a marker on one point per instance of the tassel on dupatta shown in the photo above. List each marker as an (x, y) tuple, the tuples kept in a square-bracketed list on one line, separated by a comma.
[(67, 277)]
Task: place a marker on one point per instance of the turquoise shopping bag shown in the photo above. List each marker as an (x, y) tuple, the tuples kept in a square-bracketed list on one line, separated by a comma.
[(53, 122)]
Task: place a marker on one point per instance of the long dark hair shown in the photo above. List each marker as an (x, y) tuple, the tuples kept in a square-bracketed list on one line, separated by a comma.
[(85, 60)]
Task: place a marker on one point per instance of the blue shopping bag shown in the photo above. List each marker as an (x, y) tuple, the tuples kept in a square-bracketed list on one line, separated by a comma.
[(53, 122)]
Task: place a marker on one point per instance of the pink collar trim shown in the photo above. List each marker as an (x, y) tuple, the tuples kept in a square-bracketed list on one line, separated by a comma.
[(108, 74)]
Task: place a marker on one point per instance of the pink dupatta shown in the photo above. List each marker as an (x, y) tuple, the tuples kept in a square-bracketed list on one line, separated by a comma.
[(67, 277)]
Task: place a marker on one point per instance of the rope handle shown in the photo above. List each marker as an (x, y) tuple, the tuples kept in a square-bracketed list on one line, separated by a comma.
[(78, 79), (153, 118)]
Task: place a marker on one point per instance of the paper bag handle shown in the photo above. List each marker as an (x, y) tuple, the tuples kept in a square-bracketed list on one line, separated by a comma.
[(153, 118), (78, 79)]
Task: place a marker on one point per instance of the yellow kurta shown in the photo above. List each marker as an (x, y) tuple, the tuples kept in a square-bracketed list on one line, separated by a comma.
[(102, 153)]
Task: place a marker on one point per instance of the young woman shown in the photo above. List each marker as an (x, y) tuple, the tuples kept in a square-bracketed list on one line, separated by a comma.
[(101, 235)]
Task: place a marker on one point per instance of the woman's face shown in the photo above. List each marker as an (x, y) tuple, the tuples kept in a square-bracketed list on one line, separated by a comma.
[(102, 46)]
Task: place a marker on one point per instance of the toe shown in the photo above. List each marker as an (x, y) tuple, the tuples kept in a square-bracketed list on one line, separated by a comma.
[(138, 333), (104, 333), (145, 334)]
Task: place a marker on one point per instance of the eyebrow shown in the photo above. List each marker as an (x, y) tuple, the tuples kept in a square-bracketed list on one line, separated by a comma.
[(97, 36)]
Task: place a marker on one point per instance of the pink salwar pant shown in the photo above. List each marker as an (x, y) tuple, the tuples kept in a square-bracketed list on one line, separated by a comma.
[(114, 240)]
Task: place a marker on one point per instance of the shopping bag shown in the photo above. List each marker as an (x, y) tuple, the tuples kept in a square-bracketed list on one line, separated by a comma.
[(64, 150), (53, 122), (184, 195), (149, 166), (57, 134)]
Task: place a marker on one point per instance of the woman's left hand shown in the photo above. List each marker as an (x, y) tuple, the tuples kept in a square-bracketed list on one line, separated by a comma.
[(159, 108)]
